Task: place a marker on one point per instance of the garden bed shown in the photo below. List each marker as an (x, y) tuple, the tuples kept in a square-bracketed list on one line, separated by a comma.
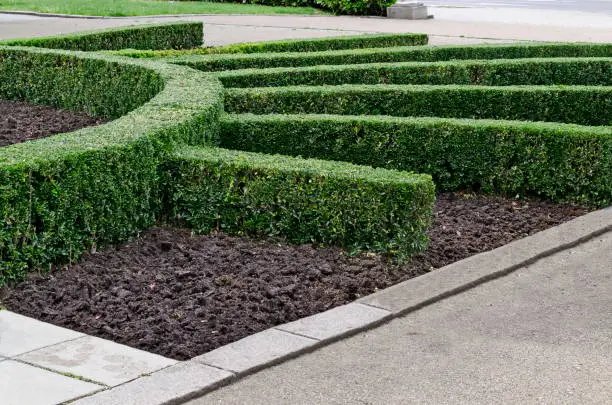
[(21, 122), (180, 295)]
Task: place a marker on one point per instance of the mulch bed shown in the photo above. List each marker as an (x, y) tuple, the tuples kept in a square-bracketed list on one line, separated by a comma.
[(180, 295), (21, 122)]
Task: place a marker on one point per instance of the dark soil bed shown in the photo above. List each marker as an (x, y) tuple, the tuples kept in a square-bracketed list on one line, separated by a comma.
[(21, 122), (180, 295)]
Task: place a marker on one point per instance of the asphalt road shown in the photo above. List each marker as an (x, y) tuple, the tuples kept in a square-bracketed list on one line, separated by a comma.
[(593, 6)]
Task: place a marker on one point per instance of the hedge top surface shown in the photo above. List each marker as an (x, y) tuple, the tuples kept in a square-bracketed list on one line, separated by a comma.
[(316, 167), (501, 125), (587, 71), (176, 35), (394, 54), (350, 42), (185, 94)]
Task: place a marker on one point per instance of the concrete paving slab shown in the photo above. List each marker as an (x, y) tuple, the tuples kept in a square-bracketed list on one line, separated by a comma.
[(540, 335), (334, 323), (256, 351), (566, 26), (216, 34), (98, 360), (171, 385), (20, 334), (22, 384)]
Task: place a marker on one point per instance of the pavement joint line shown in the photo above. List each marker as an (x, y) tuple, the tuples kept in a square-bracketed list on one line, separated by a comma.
[(47, 346), (69, 375), (375, 306), (277, 327), (209, 365)]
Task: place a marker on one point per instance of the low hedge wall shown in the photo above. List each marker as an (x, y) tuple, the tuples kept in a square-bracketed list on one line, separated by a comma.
[(575, 104), (557, 161), (294, 45), (65, 194), (211, 63), (575, 71), (176, 35), (301, 200)]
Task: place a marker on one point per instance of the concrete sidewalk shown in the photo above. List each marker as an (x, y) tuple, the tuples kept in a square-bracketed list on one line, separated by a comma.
[(450, 26), (540, 335)]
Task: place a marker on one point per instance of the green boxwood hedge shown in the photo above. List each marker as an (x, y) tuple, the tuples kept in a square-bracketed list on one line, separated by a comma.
[(215, 63), (294, 45), (300, 200), (100, 185), (175, 35), (585, 105), (560, 162), (567, 71), (66, 194)]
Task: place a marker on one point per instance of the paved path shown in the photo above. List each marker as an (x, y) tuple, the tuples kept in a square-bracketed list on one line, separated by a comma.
[(42, 364), (540, 335), (450, 25), (592, 6)]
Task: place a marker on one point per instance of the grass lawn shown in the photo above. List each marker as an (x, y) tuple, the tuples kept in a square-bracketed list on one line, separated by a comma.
[(145, 7)]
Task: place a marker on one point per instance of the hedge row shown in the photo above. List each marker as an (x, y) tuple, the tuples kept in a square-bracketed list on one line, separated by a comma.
[(300, 200), (212, 63), (574, 71), (177, 35), (574, 104), (294, 45), (65, 194), (560, 162)]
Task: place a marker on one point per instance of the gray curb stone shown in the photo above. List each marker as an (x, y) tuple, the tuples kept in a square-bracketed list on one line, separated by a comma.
[(336, 322), (255, 351), (184, 381), (466, 274), (172, 385)]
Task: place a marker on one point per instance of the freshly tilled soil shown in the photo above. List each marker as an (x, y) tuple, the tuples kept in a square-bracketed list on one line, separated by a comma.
[(180, 295), (21, 122)]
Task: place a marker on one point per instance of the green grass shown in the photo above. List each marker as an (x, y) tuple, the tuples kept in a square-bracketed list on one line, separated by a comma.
[(146, 7)]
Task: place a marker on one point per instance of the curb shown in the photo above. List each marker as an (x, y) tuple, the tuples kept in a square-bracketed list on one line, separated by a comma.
[(202, 374), (133, 17)]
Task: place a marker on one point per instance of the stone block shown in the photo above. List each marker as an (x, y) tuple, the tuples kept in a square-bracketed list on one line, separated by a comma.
[(97, 359), (408, 11), (256, 351), (336, 322)]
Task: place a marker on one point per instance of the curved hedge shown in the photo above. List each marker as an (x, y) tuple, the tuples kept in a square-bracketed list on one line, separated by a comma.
[(585, 105), (62, 195), (174, 35), (498, 72), (293, 45), (301, 200), (216, 63), (560, 162)]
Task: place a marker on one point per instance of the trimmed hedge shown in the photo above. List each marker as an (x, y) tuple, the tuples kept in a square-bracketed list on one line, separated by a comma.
[(175, 35), (215, 63), (568, 71), (301, 200), (575, 104), (294, 45), (557, 161), (65, 194), (361, 7)]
